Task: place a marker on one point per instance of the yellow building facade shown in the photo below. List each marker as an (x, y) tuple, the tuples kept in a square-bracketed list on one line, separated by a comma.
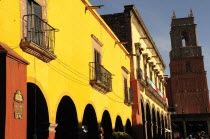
[(149, 72), (150, 110), (79, 72)]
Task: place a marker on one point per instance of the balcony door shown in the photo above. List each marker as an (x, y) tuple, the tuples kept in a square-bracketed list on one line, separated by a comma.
[(98, 72), (35, 25)]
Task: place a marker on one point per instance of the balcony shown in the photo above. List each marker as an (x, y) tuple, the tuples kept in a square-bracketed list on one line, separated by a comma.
[(141, 77), (128, 96), (38, 38), (154, 93), (100, 78)]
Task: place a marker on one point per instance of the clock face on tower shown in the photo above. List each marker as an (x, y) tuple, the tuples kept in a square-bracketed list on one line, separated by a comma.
[(186, 52)]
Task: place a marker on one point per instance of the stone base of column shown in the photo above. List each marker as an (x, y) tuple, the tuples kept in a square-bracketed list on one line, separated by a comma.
[(52, 130)]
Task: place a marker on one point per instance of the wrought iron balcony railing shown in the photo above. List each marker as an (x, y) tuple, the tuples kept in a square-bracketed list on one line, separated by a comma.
[(100, 78), (38, 37)]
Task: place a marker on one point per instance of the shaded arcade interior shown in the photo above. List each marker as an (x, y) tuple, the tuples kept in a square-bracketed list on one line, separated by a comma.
[(37, 113), (184, 125), (187, 128), (155, 123), (67, 119)]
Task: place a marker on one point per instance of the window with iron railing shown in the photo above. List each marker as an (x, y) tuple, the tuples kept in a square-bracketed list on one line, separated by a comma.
[(128, 96), (155, 78), (140, 74), (100, 77), (145, 70), (38, 36), (131, 96), (125, 89), (39, 32)]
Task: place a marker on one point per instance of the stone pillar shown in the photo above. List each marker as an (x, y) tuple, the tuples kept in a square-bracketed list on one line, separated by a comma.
[(185, 130), (208, 124), (149, 129), (160, 131), (169, 122), (152, 129), (145, 129), (52, 130)]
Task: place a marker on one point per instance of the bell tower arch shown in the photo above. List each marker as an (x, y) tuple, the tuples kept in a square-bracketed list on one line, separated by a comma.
[(183, 32)]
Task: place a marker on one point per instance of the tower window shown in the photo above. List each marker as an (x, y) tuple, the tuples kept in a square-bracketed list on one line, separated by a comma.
[(184, 38), (188, 66)]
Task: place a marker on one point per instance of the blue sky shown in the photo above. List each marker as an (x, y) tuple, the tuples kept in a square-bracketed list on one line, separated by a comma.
[(157, 17)]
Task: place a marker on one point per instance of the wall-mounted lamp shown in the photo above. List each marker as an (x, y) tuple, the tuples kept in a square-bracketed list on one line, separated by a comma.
[(93, 7)]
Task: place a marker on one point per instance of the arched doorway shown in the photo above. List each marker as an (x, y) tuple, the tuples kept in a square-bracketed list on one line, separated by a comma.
[(106, 123), (149, 122), (143, 119), (66, 118), (90, 123), (154, 124), (118, 125), (37, 113), (128, 127)]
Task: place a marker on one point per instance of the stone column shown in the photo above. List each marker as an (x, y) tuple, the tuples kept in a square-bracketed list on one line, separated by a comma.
[(160, 131), (52, 130), (169, 122), (185, 130), (208, 124), (152, 129), (145, 129)]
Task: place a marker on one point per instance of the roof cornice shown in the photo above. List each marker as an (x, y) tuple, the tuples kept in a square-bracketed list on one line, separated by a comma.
[(141, 22)]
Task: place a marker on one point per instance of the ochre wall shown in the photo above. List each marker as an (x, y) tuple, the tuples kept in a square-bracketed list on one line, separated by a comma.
[(73, 46)]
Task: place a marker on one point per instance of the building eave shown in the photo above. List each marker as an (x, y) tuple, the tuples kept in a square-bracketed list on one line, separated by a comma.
[(141, 22)]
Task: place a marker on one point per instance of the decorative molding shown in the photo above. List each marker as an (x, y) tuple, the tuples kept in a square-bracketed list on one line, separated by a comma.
[(125, 70), (96, 40)]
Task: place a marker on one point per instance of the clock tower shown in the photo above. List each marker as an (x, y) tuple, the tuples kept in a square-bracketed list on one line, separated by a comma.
[(187, 87), (188, 76)]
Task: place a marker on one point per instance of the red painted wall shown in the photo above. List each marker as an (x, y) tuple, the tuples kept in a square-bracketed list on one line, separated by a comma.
[(189, 90), (137, 123), (136, 110), (15, 71)]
